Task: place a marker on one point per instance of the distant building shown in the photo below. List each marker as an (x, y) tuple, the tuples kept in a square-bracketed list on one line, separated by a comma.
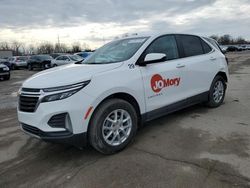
[(6, 53)]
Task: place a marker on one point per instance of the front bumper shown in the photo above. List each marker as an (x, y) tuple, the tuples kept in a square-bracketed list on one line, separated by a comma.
[(75, 130), (61, 137), (4, 73)]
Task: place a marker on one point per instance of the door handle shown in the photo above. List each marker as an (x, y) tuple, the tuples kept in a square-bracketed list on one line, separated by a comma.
[(212, 58), (180, 66)]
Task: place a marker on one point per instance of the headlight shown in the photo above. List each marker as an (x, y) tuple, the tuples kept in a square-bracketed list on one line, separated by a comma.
[(6, 68), (63, 92)]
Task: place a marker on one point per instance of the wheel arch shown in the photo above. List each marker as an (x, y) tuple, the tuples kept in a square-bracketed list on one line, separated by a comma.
[(119, 95), (223, 75)]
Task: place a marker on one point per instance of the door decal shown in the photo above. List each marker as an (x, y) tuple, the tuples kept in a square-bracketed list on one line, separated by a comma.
[(158, 82)]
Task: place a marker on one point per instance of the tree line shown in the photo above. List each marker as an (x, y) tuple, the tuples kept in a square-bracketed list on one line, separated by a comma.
[(229, 40), (20, 48)]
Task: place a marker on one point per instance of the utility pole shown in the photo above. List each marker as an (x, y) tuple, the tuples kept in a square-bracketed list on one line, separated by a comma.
[(58, 42)]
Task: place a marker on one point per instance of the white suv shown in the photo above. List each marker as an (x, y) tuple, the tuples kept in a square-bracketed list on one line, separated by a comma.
[(126, 82)]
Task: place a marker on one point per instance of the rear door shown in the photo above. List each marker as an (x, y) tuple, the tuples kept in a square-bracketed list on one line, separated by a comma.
[(200, 60), (164, 82)]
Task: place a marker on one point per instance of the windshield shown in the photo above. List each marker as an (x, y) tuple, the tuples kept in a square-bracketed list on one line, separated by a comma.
[(75, 57), (116, 51), (44, 57)]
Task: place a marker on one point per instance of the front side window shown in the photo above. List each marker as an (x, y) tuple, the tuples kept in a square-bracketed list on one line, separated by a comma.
[(191, 45), (166, 45), (116, 51)]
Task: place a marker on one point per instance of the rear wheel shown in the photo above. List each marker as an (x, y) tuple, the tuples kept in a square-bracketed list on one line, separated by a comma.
[(55, 65), (13, 67), (113, 126), (30, 68), (217, 92)]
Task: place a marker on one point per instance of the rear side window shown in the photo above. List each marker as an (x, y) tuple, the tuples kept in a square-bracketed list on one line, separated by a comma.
[(191, 45), (166, 45), (206, 47)]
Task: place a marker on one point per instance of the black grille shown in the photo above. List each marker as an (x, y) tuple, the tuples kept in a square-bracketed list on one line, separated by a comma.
[(27, 104), (30, 129), (31, 90), (1, 69), (40, 133), (58, 121)]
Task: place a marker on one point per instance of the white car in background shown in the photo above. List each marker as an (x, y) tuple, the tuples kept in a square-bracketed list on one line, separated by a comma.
[(18, 61), (65, 59)]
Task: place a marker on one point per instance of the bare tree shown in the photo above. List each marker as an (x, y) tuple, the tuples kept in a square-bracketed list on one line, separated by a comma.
[(85, 47), (31, 49), (61, 48), (240, 40), (5, 46), (45, 48), (16, 47), (76, 47), (225, 39)]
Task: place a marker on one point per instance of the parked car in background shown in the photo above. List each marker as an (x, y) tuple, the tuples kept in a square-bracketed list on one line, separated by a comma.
[(4, 72), (223, 48), (39, 61), (65, 59), (5, 62), (84, 55), (18, 61), (232, 49)]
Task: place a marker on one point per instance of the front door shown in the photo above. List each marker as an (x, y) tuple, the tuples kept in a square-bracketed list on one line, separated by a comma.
[(164, 82)]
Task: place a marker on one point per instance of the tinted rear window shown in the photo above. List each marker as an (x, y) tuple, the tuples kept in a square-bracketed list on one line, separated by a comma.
[(191, 45)]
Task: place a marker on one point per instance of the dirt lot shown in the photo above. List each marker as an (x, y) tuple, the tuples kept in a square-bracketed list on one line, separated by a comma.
[(196, 147)]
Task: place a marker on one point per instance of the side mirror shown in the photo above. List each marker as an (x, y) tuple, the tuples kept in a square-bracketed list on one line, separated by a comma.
[(154, 58)]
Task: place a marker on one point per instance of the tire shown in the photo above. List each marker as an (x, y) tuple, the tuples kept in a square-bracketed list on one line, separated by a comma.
[(100, 126), (13, 67), (217, 92), (30, 68), (55, 65), (7, 77)]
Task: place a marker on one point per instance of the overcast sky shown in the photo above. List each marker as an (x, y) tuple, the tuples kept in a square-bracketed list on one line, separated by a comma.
[(97, 21)]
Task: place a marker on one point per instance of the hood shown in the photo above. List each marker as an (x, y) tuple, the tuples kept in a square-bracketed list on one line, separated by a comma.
[(66, 75), (2, 65)]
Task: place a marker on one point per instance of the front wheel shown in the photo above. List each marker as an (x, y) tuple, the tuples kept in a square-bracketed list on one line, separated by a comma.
[(7, 77), (113, 126), (217, 92)]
